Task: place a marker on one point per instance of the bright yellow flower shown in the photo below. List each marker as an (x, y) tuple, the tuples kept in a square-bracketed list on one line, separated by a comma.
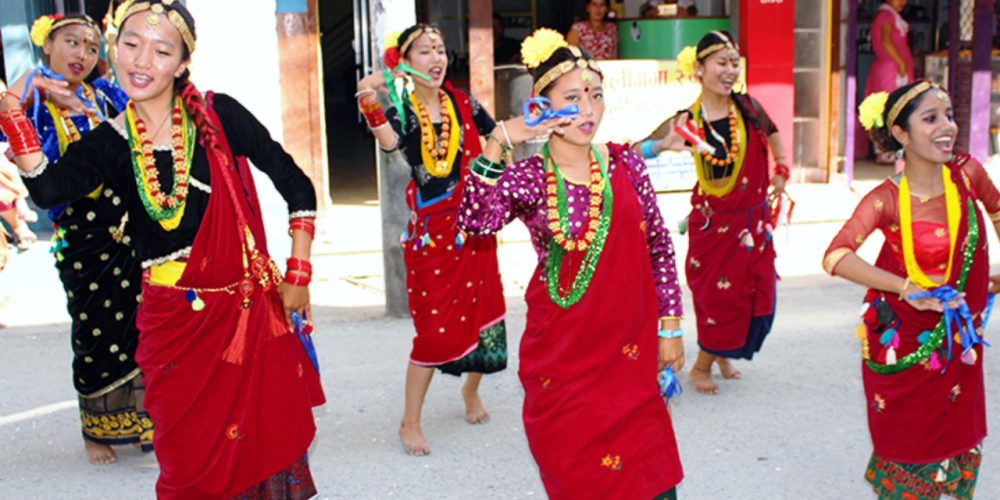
[(686, 59), (40, 30), (872, 109), (392, 40), (539, 47)]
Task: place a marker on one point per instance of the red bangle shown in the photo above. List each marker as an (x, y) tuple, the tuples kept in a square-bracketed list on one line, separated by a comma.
[(303, 272), (297, 279), (307, 224), (301, 265), (372, 111), (21, 134), (783, 170)]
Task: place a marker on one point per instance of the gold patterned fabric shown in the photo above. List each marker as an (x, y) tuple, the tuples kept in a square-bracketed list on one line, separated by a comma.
[(118, 417)]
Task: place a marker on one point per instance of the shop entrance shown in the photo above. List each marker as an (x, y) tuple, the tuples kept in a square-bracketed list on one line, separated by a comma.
[(350, 148)]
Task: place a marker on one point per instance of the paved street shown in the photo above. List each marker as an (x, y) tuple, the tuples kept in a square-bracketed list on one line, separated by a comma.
[(793, 428)]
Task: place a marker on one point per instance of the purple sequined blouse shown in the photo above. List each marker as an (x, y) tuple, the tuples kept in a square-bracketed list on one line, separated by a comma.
[(520, 194)]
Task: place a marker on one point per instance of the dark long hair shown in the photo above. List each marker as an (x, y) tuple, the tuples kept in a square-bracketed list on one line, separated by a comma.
[(882, 136)]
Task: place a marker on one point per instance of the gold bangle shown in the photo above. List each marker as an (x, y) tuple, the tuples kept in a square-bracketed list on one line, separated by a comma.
[(668, 318), (902, 293)]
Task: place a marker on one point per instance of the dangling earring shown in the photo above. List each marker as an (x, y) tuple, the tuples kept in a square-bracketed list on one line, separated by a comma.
[(899, 154)]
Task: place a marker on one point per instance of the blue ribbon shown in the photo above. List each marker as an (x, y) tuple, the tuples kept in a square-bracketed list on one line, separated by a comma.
[(48, 73), (306, 340), (670, 386), (547, 112), (987, 311), (959, 316)]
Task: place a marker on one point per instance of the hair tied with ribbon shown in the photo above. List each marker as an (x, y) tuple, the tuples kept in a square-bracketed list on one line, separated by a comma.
[(540, 109)]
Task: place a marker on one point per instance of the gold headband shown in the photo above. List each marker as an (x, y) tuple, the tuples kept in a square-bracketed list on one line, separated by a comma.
[(44, 26), (911, 94), (565, 67), (176, 19), (416, 34), (718, 46)]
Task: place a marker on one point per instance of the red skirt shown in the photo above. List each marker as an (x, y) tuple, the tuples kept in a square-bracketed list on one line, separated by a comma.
[(222, 427), (593, 415), (453, 281)]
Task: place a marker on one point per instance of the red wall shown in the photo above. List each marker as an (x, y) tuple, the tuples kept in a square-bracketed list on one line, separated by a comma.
[(767, 40)]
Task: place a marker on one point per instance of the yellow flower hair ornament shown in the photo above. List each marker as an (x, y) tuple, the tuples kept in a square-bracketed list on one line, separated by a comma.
[(872, 110), (539, 47), (686, 59), (41, 29)]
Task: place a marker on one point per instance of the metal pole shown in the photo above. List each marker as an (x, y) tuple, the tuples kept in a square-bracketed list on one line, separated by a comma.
[(954, 20)]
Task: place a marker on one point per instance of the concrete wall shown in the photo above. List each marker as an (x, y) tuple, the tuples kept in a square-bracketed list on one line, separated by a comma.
[(237, 54)]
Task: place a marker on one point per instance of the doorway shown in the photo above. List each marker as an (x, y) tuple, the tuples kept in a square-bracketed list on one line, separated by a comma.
[(350, 147)]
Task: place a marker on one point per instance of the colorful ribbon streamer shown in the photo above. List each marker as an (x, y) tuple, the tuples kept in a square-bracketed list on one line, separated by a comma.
[(670, 386), (959, 316), (546, 111), (38, 103), (306, 338)]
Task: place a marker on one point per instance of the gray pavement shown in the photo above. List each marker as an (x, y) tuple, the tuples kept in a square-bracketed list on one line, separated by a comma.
[(793, 428)]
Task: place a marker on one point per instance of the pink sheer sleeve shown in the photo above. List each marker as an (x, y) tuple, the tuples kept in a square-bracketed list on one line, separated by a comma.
[(870, 214), (984, 188)]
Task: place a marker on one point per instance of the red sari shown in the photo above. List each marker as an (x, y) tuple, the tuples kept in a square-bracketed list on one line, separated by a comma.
[(732, 285), (593, 416), (921, 415), (453, 281), (229, 388)]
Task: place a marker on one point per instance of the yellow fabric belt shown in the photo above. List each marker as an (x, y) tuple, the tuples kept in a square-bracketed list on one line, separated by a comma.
[(167, 274)]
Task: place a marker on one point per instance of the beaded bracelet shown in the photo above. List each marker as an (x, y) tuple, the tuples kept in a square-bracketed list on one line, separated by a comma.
[(647, 149), (671, 334)]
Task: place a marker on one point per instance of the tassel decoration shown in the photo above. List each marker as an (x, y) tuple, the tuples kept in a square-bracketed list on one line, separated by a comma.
[(746, 240), (935, 362), (890, 356), (969, 357), (234, 353)]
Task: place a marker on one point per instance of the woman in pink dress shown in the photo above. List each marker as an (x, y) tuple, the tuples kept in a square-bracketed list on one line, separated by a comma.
[(595, 34), (893, 65)]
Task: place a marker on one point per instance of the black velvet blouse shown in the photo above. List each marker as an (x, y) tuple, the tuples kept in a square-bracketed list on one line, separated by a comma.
[(410, 144), (103, 157)]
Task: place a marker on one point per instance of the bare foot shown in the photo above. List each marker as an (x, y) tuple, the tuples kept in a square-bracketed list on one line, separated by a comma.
[(413, 439), (99, 454), (727, 369), (702, 381), (475, 412)]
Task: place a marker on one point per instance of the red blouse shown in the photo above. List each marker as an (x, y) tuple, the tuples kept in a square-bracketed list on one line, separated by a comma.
[(879, 209)]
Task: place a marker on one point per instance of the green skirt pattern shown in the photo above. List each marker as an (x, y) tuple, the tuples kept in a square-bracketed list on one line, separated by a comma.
[(490, 356), (955, 477)]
